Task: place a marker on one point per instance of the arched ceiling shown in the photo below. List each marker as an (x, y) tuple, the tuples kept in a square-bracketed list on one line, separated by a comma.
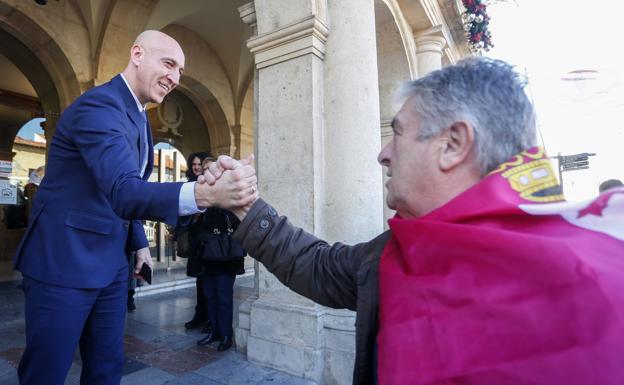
[(219, 24), (13, 79), (94, 13), (216, 21)]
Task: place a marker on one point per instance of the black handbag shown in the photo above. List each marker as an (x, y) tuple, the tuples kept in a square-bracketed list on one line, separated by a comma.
[(186, 246), (183, 247), (219, 245)]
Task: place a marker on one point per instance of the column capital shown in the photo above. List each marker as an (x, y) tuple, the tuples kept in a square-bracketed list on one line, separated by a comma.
[(429, 46), (247, 13), (307, 36), (430, 40)]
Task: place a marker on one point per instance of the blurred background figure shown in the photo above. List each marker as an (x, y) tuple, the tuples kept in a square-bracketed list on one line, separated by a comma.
[(34, 179), (194, 266), (222, 259)]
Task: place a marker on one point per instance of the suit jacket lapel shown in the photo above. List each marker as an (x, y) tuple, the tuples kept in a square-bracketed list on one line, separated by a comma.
[(139, 120)]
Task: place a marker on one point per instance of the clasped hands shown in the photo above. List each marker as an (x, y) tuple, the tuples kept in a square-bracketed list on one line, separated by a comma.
[(228, 183)]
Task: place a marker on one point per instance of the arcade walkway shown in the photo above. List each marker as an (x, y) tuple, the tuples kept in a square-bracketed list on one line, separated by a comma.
[(158, 349)]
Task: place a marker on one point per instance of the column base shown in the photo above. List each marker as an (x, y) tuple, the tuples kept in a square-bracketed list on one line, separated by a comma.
[(296, 336)]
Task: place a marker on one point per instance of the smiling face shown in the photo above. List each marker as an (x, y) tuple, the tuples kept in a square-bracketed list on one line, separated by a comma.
[(159, 63), (196, 166)]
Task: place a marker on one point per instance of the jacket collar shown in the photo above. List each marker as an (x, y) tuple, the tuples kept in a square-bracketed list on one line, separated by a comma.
[(137, 117)]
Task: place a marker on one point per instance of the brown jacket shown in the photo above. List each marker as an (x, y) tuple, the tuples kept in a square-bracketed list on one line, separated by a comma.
[(338, 275)]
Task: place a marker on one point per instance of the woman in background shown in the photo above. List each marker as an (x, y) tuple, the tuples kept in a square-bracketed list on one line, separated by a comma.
[(217, 225), (194, 265)]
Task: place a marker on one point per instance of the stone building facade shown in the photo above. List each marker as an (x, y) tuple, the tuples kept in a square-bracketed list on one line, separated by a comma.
[(307, 85)]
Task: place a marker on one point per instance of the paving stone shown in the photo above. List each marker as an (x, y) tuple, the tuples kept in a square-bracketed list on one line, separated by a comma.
[(12, 356), (151, 376), (5, 367), (158, 348), (192, 379), (73, 377), (176, 342), (131, 365), (9, 379), (161, 316), (233, 369), (143, 331), (180, 362), (184, 302), (281, 378), (12, 334), (135, 347)]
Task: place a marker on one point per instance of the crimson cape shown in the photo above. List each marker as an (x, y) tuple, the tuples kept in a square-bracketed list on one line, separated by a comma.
[(506, 284)]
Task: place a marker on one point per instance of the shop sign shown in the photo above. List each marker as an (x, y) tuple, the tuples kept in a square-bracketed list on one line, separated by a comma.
[(8, 193), (6, 167)]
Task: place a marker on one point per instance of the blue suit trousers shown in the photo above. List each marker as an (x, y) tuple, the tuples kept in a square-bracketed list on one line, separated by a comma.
[(58, 319)]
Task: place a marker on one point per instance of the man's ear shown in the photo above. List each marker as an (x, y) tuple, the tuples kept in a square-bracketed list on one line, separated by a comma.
[(136, 54), (457, 142)]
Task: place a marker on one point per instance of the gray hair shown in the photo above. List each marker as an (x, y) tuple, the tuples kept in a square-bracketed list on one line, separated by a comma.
[(484, 92)]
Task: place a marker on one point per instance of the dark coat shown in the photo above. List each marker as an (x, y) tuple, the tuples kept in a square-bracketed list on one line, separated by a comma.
[(204, 224), (338, 275)]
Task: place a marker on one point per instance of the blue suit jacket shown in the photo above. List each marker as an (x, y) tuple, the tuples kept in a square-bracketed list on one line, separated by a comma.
[(87, 209)]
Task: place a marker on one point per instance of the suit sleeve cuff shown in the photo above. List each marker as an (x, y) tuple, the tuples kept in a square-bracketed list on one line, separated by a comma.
[(187, 200)]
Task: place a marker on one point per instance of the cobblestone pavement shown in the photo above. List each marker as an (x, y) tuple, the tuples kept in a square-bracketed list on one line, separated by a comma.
[(159, 350)]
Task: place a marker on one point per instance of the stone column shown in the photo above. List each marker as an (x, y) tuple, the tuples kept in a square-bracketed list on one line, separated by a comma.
[(429, 46), (317, 138), (284, 328), (353, 210)]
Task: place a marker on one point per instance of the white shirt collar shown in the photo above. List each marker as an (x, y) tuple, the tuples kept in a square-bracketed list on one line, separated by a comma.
[(139, 105)]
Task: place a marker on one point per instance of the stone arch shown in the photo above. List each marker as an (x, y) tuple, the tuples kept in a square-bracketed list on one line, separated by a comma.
[(204, 66), (219, 132), (125, 20), (189, 133), (246, 124), (43, 62), (404, 30), (40, 58), (396, 64), (393, 56)]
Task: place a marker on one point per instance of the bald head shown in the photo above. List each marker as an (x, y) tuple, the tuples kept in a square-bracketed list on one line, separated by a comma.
[(152, 39), (155, 66)]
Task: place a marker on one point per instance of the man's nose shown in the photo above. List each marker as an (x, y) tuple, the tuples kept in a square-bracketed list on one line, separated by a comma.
[(174, 77), (383, 158)]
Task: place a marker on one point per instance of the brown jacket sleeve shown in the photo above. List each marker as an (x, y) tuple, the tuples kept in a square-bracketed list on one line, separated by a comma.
[(325, 273)]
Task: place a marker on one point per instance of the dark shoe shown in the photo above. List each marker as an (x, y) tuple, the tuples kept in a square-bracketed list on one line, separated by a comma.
[(131, 305), (206, 328), (225, 344), (193, 324), (210, 338)]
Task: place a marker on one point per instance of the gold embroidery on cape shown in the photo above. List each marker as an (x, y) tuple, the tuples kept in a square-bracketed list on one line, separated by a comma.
[(531, 177), (519, 159)]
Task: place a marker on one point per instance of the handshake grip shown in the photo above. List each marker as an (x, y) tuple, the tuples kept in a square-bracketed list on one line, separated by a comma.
[(228, 183)]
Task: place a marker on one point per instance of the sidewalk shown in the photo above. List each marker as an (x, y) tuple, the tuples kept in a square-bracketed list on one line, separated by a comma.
[(158, 349)]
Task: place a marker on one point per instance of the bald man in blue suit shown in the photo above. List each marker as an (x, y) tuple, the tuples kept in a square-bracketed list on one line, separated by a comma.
[(86, 217)]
